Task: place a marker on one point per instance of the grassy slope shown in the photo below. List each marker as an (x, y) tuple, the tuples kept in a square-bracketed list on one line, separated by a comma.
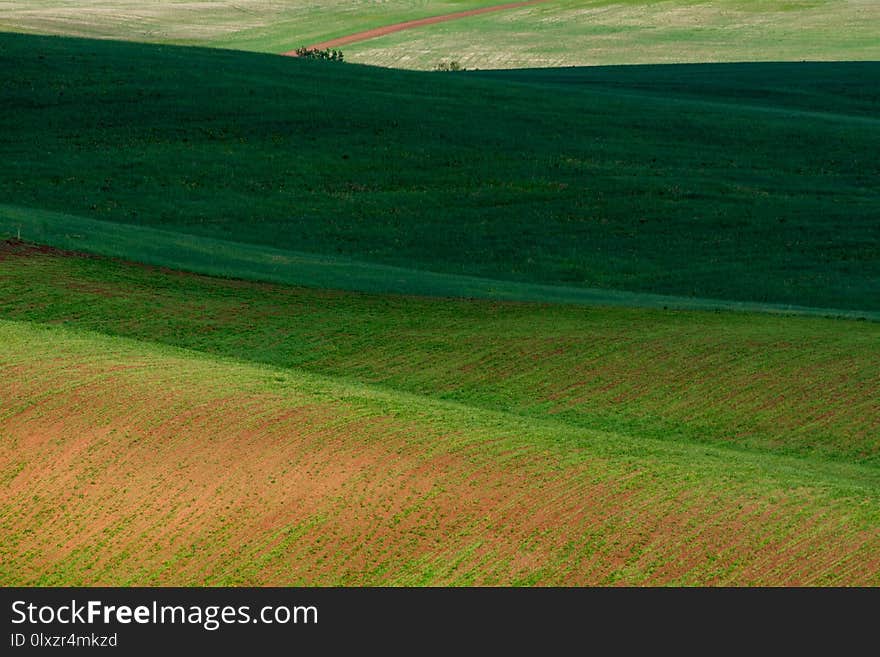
[(593, 184), (587, 33), (260, 25), (120, 453), (557, 33), (774, 384), (476, 453), (226, 259)]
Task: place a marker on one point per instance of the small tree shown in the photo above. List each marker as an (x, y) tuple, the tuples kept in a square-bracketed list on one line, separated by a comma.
[(449, 66)]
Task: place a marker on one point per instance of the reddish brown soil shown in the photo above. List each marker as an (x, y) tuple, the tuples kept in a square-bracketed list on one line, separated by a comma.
[(15, 247), (137, 476), (419, 22)]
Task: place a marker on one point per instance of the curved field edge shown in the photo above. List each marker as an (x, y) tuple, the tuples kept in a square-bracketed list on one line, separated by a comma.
[(795, 385), (227, 259), (128, 463), (587, 185)]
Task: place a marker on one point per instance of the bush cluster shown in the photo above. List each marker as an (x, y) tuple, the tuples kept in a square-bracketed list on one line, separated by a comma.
[(449, 66), (314, 53)]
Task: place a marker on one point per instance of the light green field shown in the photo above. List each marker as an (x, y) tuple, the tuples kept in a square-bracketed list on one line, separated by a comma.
[(555, 33), (125, 463), (259, 25), (585, 33), (791, 385)]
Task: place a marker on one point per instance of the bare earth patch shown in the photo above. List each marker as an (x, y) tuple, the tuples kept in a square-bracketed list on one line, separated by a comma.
[(160, 475)]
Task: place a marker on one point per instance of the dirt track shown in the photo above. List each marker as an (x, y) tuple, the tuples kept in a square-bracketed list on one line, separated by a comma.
[(398, 27)]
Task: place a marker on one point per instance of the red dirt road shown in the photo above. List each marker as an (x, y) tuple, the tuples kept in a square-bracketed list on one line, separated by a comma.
[(398, 27)]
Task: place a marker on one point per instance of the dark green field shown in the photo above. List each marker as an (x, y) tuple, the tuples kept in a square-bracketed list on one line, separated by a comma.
[(753, 182)]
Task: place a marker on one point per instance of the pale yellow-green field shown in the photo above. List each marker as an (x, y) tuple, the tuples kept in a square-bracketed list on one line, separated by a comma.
[(554, 33), (261, 25), (581, 33)]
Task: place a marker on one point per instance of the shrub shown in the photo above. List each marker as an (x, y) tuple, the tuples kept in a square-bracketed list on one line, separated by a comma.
[(314, 53), (449, 66)]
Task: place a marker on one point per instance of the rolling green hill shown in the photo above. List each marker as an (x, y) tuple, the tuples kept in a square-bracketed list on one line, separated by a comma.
[(741, 182), (238, 260), (131, 463), (547, 326), (788, 385)]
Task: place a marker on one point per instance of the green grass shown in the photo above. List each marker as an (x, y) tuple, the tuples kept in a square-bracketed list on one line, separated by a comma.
[(598, 32), (607, 181), (238, 260), (257, 25), (555, 33), (774, 384), (221, 458), (158, 427)]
